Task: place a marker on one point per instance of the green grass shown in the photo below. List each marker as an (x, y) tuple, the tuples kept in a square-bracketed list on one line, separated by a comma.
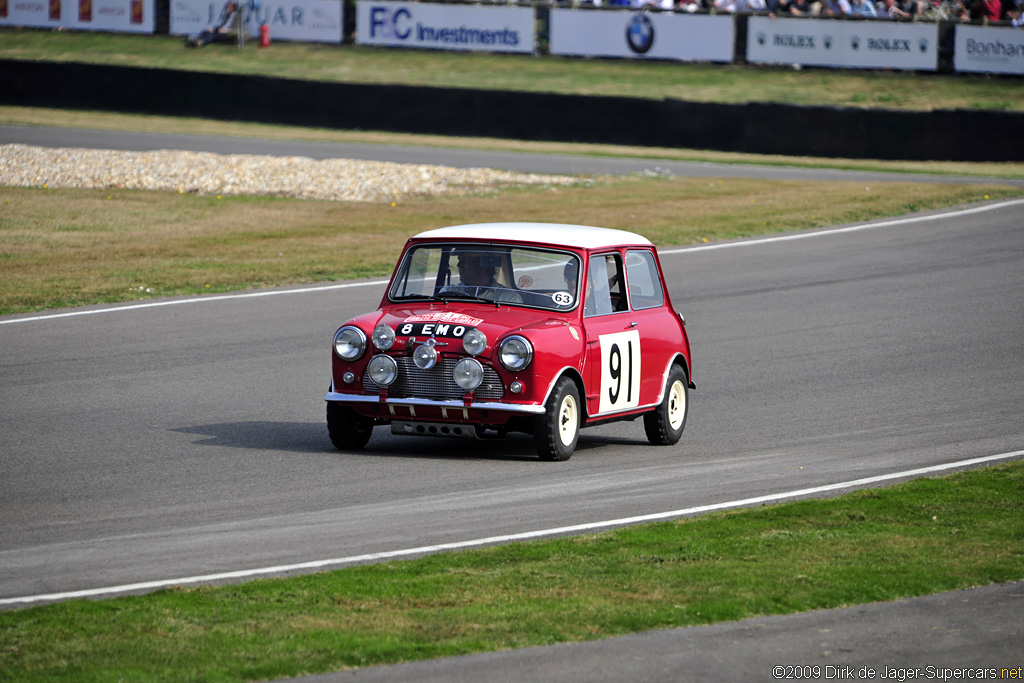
[(76, 247), (631, 78), (921, 537)]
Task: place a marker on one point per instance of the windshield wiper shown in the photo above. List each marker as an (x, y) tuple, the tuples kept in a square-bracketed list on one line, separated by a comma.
[(471, 297), (445, 298), (448, 296)]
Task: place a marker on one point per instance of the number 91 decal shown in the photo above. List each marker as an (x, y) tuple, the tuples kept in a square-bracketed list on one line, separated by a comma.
[(620, 371)]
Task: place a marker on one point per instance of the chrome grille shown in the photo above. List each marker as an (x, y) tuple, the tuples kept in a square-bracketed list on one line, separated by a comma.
[(437, 382)]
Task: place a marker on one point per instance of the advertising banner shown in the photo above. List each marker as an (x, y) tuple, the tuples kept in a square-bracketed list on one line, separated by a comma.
[(35, 13), (307, 21), (989, 49), (642, 35), (847, 44), (129, 16), (445, 27)]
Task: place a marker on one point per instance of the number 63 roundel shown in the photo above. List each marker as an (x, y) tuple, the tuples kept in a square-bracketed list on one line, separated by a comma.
[(620, 371)]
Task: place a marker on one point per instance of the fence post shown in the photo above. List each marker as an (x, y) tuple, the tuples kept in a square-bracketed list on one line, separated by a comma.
[(739, 41)]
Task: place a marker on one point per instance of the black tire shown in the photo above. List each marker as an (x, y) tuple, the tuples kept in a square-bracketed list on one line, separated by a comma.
[(558, 429), (349, 430), (664, 425)]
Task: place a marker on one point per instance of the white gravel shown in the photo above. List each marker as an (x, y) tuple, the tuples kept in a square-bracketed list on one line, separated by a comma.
[(248, 174)]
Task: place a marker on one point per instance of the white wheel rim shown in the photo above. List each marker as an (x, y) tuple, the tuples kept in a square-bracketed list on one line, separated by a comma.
[(567, 420), (676, 405)]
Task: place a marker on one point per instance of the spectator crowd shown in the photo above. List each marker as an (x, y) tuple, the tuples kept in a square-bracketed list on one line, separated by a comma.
[(906, 10)]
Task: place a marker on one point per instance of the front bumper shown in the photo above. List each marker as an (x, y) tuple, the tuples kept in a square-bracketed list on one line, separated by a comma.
[(457, 407)]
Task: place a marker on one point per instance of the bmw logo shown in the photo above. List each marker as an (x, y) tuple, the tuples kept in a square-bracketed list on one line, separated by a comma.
[(640, 33)]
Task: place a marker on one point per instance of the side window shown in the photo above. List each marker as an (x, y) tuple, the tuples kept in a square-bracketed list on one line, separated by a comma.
[(645, 290), (604, 286)]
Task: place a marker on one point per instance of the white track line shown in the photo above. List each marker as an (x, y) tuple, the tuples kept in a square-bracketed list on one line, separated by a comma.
[(195, 300), (380, 283), (492, 540), (850, 228)]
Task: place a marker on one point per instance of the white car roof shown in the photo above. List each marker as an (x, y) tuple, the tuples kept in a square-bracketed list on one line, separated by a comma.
[(557, 234)]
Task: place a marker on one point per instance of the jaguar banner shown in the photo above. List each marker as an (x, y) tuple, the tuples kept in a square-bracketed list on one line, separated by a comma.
[(310, 21)]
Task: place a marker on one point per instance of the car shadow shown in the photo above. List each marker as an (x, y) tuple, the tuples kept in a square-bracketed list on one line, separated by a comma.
[(293, 437), (515, 447), (312, 438)]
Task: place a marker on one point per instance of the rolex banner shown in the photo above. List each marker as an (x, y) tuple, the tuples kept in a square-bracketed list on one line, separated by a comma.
[(847, 44)]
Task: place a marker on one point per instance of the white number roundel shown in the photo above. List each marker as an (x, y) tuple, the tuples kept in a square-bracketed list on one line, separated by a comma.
[(562, 298)]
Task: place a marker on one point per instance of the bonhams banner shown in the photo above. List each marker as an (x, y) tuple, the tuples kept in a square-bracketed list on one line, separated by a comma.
[(445, 27), (643, 35), (848, 44), (989, 49), (130, 16)]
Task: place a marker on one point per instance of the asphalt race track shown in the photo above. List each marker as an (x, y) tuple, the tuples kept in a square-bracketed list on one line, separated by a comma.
[(157, 443)]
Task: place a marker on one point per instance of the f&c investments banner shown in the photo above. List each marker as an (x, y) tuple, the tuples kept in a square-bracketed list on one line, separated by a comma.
[(445, 27)]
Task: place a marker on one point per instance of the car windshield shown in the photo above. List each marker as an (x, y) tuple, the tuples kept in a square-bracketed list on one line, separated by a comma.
[(502, 274)]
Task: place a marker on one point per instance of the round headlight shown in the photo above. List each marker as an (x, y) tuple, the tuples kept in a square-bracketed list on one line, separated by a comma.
[(469, 373), (383, 337), (425, 355), (349, 342), (474, 342), (383, 370), (515, 353)]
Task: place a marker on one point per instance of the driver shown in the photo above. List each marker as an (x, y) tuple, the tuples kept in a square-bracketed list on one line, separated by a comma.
[(476, 278)]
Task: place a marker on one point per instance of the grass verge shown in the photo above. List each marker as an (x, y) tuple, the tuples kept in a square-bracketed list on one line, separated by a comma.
[(731, 84), (73, 247), (916, 538)]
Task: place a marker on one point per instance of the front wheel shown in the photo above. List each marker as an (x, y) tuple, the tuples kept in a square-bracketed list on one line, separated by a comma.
[(558, 429), (349, 430), (664, 425)]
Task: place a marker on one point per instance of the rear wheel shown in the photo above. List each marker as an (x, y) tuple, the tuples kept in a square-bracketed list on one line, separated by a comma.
[(664, 425), (558, 429), (349, 430)]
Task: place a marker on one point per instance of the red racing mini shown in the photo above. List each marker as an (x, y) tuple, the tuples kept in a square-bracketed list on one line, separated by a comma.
[(515, 327)]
